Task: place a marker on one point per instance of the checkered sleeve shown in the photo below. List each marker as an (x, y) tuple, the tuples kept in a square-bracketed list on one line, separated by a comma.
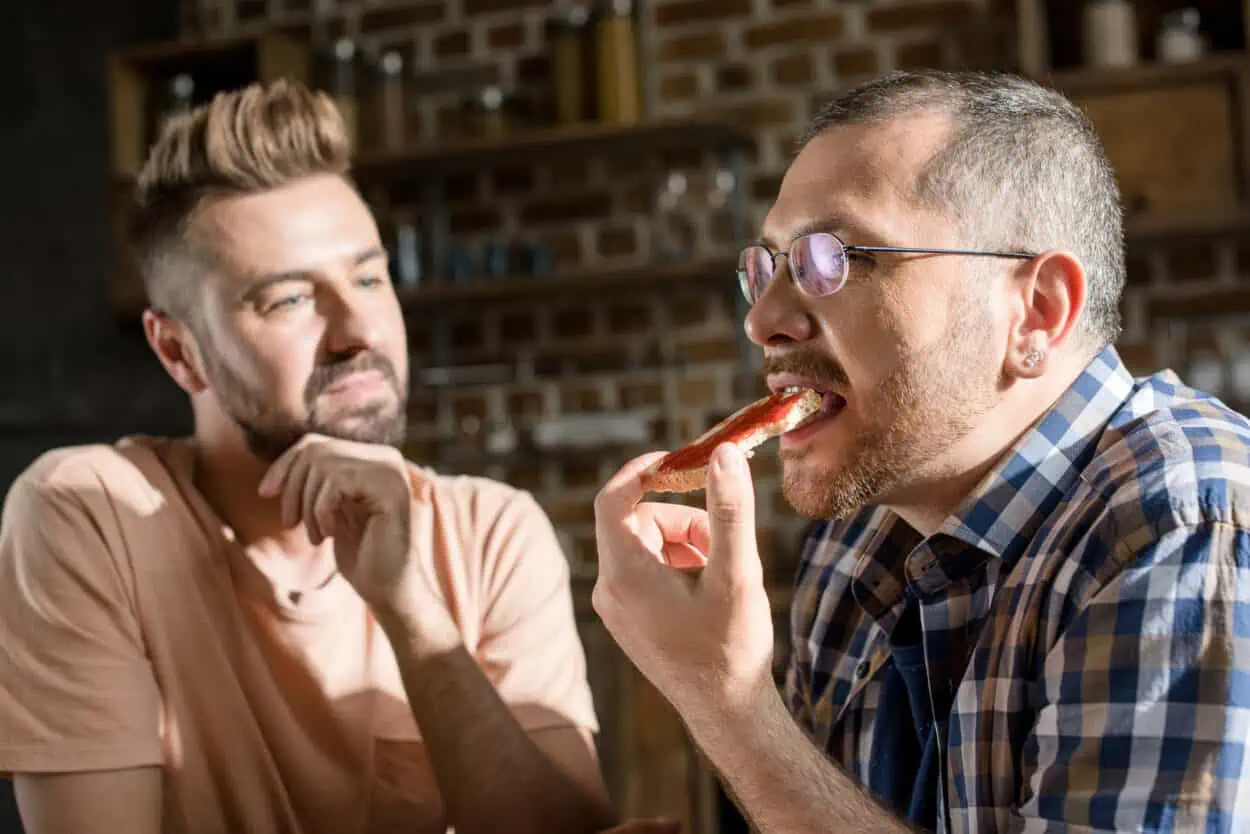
[(1144, 707), (795, 692)]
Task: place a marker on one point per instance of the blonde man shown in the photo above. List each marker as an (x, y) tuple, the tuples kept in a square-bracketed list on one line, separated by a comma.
[(278, 624)]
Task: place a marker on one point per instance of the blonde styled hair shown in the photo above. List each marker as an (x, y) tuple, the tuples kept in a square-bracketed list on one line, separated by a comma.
[(244, 141)]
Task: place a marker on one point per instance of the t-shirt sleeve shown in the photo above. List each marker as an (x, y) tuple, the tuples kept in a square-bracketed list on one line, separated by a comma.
[(530, 648), (76, 690)]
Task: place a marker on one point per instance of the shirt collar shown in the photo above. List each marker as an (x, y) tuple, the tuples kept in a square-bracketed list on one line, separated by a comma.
[(1012, 501), (1002, 514)]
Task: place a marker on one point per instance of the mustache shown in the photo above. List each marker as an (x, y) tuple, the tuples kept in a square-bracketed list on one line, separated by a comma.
[(323, 376), (807, 363)]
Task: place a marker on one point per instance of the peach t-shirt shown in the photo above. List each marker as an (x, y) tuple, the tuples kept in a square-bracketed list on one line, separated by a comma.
[(134, 632)]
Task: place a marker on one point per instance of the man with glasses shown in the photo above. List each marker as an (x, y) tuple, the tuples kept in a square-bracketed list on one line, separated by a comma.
[(1026, 608)]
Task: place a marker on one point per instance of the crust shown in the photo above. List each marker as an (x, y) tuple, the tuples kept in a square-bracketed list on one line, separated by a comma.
[(682, 480)]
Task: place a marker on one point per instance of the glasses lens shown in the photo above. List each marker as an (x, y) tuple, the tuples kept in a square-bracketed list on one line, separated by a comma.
[(818, 263), (755, 270)]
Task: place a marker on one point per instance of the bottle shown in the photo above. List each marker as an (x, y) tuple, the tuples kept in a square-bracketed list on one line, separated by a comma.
[(492, 115), (181, 93), (344, 87), (569, 65), (391, 115), (406, 256), (620, 93), (1109, 33)]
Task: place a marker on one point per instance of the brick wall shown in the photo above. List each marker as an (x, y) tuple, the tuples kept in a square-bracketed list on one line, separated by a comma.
[(671, 355)]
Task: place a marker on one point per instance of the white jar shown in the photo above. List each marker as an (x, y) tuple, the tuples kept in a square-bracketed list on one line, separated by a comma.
[(1179, 38), (1109, 33)]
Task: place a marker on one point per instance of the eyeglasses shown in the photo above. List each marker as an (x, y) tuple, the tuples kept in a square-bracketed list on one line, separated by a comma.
[(819, 263)]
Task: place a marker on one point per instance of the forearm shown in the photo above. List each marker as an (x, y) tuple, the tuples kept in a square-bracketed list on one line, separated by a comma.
[(491, 774), (781, 780)]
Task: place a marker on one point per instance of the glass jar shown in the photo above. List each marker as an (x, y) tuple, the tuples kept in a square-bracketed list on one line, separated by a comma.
[(1180, 39), (1109, 33)]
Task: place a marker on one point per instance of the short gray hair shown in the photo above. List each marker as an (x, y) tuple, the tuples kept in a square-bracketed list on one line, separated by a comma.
[(1023, 167)]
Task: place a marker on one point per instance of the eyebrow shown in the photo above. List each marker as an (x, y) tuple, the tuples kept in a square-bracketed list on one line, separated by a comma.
[(262, 283), (838, 224)]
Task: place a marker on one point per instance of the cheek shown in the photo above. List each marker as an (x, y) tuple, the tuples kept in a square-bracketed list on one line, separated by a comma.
[(284, 364)]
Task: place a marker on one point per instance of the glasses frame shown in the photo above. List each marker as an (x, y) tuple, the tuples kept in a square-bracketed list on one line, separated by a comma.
[(847, 249)]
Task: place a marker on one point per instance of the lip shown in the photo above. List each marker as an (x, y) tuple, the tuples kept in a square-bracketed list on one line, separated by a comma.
[(359, 382), (779, 382)]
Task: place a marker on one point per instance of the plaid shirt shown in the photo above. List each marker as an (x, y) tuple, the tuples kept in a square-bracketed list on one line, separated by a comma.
[(1085, 621)]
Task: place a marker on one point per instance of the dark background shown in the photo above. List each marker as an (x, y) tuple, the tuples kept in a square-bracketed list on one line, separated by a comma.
[(72, 373)]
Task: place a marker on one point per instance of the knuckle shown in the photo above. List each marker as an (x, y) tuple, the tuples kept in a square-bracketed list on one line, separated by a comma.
[(600, 597)]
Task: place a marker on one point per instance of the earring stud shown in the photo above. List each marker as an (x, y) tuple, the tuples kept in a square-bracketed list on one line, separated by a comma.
[(1032, 358)]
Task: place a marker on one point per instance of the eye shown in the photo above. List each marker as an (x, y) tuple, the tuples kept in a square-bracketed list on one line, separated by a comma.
[(286, 302), (371, 280)]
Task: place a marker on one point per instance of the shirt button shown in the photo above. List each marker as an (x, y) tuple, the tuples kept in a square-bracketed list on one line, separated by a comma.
[(862, 669)]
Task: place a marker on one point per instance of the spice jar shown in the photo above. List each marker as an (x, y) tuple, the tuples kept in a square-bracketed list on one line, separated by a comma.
[(569, 65), (620, 94)]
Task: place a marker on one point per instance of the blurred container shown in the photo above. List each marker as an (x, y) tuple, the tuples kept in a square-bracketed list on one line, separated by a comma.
[(570, 65), (620, 88), (1109, 33), (343, 87), (1180, 39), (391, 112)]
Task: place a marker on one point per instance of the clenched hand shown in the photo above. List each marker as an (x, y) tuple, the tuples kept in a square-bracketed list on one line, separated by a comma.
[(366, 498)]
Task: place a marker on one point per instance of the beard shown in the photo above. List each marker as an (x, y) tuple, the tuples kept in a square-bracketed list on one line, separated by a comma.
[(270, 430), (930, 401)]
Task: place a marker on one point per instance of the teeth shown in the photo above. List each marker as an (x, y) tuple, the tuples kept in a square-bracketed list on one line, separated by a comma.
[(792, 389)]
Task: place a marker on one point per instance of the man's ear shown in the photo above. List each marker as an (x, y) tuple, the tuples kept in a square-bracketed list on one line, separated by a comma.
[(173, 343), (1050, 293)]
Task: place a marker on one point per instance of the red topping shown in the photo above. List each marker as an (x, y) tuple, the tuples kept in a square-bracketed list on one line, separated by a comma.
[(760, 416)]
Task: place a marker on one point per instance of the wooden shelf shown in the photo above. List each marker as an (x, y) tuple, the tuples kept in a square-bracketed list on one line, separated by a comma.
[(1146, 75), (488, 290), (589, 281), (545, 144), (434, 159), (1145, 228)]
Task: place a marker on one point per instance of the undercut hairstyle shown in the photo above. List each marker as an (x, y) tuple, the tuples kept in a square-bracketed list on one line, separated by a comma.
[(244, 141), (1022, 169)]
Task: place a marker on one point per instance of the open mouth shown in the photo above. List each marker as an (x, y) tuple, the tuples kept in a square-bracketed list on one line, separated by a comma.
[(831, 405)]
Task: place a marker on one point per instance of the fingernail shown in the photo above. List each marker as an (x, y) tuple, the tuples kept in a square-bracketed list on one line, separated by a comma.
[(264, 489)]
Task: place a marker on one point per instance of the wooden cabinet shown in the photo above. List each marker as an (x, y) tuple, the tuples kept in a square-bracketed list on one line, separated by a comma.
[(140, 78), (1176, 133)]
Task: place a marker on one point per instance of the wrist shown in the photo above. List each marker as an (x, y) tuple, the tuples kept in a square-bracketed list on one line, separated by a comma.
[(734, 712), (418, 630)]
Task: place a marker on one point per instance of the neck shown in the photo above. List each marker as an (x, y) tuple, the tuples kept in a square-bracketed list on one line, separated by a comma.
[(228, 474), (926, 504)]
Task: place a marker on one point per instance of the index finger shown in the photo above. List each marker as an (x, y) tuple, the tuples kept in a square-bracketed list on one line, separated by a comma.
[(623, 491), (271, 481)]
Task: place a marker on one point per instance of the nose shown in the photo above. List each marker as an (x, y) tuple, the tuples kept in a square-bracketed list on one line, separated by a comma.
[(780, 315), (349, 327)]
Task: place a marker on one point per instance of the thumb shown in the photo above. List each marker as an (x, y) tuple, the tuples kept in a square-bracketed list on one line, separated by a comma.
[(731, 514)]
